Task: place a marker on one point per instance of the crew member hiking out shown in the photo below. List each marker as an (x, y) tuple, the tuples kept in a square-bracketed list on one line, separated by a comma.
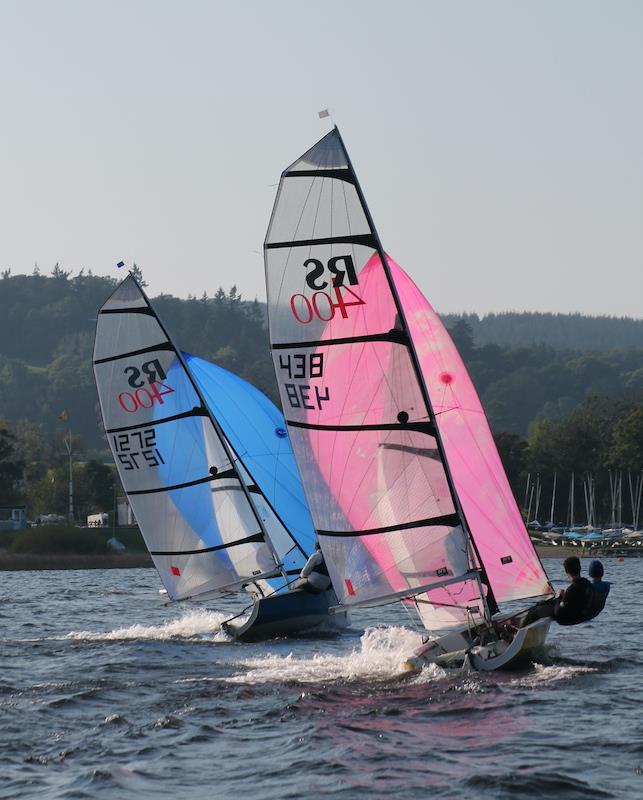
[(314, 576), (577, 603), (600, 588)]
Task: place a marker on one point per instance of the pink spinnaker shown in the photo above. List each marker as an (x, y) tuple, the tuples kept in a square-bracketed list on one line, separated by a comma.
[(480, 481)]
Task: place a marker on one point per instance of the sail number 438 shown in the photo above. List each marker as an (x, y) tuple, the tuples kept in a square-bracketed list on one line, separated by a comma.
[(304, 365)]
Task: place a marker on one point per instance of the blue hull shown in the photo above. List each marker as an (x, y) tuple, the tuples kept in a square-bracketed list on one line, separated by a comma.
[(289, 613)]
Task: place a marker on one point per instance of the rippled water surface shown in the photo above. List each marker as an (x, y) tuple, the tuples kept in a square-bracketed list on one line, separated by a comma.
[(107, 693)]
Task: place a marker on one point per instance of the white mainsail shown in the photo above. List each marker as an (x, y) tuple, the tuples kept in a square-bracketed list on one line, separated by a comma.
[(380, 410), (177, 468)]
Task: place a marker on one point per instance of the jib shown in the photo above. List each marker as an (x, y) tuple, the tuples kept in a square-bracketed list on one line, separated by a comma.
[(152, 370), (339, 267)]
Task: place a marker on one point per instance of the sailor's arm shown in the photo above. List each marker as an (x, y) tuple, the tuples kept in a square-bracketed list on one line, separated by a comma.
[(313, 561)]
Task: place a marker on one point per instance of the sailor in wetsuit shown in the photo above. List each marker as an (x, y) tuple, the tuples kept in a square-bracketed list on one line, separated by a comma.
[(573, 604), (600, 589), (314, 576)]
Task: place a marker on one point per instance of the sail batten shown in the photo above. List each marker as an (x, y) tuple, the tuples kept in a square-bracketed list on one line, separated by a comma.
[(257, 537), (394, 336), (142, 351), (366, 239), (194, 412), (449, 519)]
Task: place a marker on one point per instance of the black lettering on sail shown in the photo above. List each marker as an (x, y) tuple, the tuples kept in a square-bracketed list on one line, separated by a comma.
[(348, 270), (314, 274)]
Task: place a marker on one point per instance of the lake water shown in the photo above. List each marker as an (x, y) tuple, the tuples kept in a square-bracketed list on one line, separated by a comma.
[(107, 693)]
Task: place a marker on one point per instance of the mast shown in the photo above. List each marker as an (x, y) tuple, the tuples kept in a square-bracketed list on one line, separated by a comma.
[(422, 384), (553, 501), (524, 505), (538, 491)]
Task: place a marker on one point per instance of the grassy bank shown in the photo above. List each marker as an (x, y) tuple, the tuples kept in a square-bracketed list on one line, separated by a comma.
[(65, 547), (31, 561)]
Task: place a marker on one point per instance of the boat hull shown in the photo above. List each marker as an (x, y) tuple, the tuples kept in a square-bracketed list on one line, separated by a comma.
[(287, 614), (524, 646), (502, 652)]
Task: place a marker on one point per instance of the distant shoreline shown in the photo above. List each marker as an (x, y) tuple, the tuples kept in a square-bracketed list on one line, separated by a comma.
[(10, 562)]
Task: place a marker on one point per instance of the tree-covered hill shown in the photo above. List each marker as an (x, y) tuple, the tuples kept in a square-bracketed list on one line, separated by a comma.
[(559, 331), (47, 327)]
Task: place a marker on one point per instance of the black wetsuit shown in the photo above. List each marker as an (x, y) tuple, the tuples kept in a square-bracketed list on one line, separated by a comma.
[(600, 590), (581, 602), (576, 603)]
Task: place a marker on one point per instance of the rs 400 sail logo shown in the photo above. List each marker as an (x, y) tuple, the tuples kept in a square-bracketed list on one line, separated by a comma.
[(144, 396), (337, 275)]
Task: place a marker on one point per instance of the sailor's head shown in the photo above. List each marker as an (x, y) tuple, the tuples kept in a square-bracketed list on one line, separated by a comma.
[(596, 569), (571, 565), (317, 545)]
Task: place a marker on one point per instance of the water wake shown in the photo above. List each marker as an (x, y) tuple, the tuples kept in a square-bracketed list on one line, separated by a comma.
[(379, 657), (195, 624), (543, 674)]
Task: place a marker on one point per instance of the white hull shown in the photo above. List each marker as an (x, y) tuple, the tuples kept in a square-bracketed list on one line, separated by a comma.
[(510, 648)]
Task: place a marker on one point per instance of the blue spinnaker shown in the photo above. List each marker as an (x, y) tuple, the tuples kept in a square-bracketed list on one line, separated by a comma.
[(257, 431)]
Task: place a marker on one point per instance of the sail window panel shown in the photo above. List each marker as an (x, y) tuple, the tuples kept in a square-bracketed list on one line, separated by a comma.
[(327, 291), (479, 477), (372, 567), (316, 207), (232, 512), (327, 153), (180, 522), (370, 479), (451, 607), (182, 519), (186, 520), (123, 333)]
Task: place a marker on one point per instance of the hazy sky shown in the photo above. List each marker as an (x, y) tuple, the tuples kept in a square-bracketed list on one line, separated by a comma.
[(499, 144)]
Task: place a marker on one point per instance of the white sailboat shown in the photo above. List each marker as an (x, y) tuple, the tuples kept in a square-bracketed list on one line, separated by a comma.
[(207, 468), (403, 479)]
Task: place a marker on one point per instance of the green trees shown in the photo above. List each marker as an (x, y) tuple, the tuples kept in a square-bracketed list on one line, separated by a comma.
[(10, 467), (599, 435), (626, 449), (537, 396)]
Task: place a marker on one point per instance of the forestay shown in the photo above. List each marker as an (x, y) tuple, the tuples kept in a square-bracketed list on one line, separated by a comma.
[(178, 470), (351, 370)]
